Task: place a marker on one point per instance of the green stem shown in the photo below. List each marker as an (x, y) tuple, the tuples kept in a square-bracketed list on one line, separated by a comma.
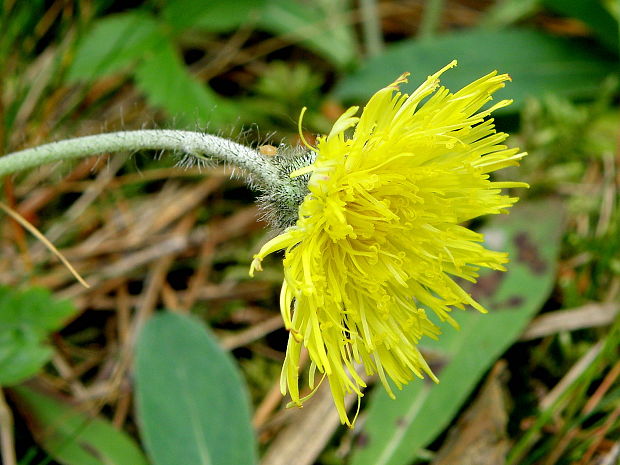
[(261, 173), (371, 27), (430, 18)]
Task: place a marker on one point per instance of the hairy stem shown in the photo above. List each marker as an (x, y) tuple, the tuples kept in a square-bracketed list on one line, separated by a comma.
[(259, 170)]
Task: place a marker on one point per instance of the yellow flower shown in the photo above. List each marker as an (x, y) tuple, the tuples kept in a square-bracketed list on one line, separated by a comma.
[(378, 240)]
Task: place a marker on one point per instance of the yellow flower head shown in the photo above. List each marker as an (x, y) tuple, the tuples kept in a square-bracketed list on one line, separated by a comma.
[(379, 240)]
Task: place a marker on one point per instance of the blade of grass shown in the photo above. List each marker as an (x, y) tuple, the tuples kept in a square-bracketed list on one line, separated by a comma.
[(36, 233), (574, 384)]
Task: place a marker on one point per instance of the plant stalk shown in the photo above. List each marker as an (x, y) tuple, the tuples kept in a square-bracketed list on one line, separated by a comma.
[(260, 172), (430, 18), (371, 27)]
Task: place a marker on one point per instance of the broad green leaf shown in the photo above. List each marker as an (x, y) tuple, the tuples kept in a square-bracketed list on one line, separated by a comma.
[(167, 83), (395, 430), (22, 355), (72, 437), (115, 43), (211, 15), (592, 12), (322, 26), (539, 64), (26, 319), (191, 401)]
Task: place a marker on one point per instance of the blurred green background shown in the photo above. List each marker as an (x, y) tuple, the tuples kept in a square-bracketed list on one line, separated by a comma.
[(148, 234)]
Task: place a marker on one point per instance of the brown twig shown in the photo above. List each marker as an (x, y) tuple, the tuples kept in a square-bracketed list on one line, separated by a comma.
[(252, 333), (7, 439)]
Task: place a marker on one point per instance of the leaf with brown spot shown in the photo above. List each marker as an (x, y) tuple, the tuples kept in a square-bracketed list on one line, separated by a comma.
[(486, 286), (529, 253), (426, 409), (509, 303)]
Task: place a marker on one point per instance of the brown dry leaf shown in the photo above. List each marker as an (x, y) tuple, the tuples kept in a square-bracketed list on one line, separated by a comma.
[(587, 316), (479, 437)]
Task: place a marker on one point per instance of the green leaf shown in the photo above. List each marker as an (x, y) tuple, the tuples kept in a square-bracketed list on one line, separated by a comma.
[(72, 437), (191, 401), (167, 83), (593, 13), (21, 356), (26, 319), (395, 430), (322, 27), (113, 44), (539, 64), (210, 15)]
